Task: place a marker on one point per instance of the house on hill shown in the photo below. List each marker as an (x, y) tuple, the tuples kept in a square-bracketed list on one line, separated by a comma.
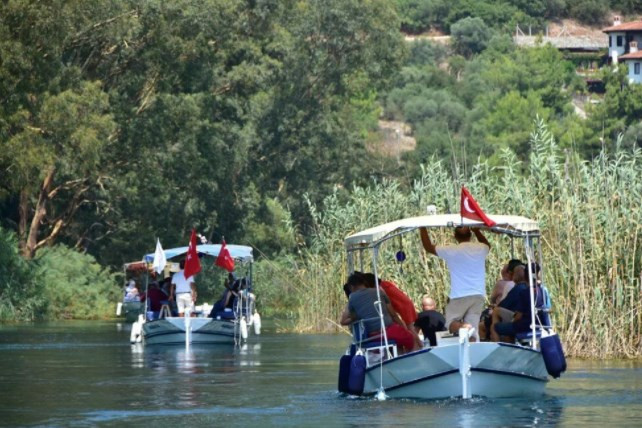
[(624, 39)]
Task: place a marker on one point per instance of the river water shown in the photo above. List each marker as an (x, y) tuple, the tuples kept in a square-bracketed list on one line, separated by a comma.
[(87, 374)]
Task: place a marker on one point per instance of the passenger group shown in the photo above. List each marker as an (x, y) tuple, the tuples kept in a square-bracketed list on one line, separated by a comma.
[(508, 312)]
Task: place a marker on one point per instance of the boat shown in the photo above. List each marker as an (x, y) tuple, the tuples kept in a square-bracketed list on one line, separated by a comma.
[(227, 327), (456, 366), (131, 306)]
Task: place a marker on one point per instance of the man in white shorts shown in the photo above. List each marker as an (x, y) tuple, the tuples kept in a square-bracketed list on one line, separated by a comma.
[(466, 262), (184, 289)]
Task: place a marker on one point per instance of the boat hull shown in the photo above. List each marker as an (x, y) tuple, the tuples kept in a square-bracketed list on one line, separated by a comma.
[(497, 370), (171, 330)]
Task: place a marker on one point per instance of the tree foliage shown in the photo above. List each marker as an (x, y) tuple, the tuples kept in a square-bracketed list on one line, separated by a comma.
[(422, 15), (127, 121)]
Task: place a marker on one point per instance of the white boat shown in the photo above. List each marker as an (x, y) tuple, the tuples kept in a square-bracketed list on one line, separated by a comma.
[(228, 327), (455, 367)]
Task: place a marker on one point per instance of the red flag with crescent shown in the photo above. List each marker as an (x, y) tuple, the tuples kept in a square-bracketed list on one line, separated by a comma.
[(224, 258), (192, 262), (471, 209)]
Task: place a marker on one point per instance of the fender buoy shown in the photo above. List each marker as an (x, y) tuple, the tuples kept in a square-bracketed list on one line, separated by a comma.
[(243, 328), (357, 377), (344, 373), (256, 321), (136, 335), (553, 355)]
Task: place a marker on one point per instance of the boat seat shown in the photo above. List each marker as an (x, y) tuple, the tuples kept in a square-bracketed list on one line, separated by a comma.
[(526, 336), (225, 315), (446, 338)]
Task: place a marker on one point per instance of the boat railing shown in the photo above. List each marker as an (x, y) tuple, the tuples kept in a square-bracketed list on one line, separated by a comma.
[(373, 347)]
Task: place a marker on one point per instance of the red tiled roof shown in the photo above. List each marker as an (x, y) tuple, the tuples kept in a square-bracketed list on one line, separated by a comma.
[(634, 55), (627, 26)]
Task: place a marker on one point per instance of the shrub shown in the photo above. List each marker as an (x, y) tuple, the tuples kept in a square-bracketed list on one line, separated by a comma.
[(75, 285), (21, 296)]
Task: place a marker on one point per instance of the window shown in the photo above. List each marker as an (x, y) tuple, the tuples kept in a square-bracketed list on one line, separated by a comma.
[(619, 40), (636, 68)]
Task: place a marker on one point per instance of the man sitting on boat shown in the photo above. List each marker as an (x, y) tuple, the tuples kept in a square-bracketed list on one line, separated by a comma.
[(466, 263), (184, 290), (500, 291), (224, 306), (429, 320), (362, 305), (516, 306)]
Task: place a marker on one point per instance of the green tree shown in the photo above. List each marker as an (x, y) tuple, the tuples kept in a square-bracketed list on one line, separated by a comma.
[(470, 36)]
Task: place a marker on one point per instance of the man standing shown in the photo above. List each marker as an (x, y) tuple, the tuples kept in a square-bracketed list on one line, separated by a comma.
[(466, 263), (184, 289)]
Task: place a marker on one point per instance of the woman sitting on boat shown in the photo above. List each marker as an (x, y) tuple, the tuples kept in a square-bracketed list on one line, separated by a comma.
[(132, 293), (362, 306)]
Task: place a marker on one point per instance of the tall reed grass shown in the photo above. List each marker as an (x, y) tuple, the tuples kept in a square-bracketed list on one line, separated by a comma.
[(589, 213)]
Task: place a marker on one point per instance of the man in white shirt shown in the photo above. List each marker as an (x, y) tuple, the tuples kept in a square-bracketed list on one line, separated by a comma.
[(184, 289), (466, 262)]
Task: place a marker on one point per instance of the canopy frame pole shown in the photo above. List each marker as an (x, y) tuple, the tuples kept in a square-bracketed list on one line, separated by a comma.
[(529, 260), (381, 395)]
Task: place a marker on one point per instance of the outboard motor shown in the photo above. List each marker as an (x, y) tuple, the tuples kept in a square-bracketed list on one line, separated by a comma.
[(553, 354)]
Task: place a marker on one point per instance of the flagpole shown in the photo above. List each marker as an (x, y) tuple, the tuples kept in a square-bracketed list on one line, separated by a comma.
[(461, 190)]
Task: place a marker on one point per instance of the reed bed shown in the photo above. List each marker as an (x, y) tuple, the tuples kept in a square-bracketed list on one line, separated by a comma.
[(589, 213)]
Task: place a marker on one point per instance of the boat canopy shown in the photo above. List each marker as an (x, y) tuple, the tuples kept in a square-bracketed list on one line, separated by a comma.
[(238, 252), (135, 266), (511, 225)]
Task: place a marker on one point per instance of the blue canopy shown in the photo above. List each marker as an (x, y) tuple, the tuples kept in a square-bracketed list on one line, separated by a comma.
[(238, 252)]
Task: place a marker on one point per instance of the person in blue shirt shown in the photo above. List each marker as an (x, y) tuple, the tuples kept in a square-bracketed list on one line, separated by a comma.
[(517, 302)]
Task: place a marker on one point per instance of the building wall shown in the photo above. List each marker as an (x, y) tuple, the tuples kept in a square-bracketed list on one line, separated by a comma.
[(613, 44), (633, 76)]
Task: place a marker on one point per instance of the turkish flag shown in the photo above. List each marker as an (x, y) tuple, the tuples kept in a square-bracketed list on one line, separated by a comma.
[(192, 262), (470, 208), (224, 258)]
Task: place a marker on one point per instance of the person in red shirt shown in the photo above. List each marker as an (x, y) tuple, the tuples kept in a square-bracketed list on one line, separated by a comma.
[(400, 302)]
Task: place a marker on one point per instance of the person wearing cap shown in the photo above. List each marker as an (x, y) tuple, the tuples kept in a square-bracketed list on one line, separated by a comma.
[(466, 263), (362, 305)]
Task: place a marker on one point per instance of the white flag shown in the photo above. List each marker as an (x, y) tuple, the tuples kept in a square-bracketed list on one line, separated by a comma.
[(159, 258)]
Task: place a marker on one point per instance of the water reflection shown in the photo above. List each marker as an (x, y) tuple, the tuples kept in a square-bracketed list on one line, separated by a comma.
[(88, 374)]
